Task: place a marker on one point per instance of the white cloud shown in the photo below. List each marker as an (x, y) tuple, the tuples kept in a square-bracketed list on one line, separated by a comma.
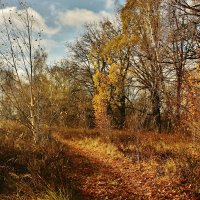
[(49, 44), (41, 23), (109, 3), (78, 17), (18, 18)]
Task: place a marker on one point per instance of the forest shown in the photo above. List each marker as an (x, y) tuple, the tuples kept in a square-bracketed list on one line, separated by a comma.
[(117, 118)]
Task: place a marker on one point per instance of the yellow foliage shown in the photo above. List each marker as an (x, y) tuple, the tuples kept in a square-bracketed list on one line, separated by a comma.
[(120, 42), (100, 99), (114, 74)]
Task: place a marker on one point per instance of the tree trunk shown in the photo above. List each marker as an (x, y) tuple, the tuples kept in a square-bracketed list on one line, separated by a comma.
[(156, 110), (178, 100), (32, 115), (122, 111)]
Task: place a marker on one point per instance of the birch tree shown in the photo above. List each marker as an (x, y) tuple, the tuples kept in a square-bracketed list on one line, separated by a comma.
[(19, 41)]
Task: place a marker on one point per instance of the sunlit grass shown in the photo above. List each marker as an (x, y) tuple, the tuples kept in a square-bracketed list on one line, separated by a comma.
[(98, 146), (52, 195)]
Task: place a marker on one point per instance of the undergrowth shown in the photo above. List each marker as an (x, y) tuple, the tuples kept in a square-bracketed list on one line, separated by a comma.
[(30, 171)]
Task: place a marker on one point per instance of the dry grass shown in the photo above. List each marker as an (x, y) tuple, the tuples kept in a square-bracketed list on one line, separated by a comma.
[(97, 146)]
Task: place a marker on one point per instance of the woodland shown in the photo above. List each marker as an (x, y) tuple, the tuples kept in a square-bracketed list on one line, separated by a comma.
[(117, 118)]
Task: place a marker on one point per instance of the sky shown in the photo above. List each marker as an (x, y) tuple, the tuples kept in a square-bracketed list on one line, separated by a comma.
[(63, 20)]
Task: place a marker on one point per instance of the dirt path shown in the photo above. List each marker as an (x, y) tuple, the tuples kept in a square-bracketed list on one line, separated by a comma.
[(100, 177)]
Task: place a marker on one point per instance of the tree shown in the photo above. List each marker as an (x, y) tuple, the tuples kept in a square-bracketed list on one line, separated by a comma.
[(143, 19), (66, 102), (117, 53), (19, 42), (88, 61), (180, 53), (109, 58)]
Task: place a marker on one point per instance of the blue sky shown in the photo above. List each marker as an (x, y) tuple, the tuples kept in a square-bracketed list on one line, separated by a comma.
[(63, 20)]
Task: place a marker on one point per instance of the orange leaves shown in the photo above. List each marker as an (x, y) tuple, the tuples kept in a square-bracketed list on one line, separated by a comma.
[(191, 100)]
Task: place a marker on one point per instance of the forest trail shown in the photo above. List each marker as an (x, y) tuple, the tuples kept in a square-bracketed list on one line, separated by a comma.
[(100, 177)]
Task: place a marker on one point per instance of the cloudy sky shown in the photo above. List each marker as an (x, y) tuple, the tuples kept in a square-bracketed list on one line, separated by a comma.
[(62, 20)]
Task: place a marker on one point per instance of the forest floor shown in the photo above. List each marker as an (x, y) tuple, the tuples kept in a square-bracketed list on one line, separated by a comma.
[(78, 164), (101, 174)]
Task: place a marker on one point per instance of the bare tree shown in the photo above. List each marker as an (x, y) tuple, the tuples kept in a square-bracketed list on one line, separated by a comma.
[(19, 42)]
